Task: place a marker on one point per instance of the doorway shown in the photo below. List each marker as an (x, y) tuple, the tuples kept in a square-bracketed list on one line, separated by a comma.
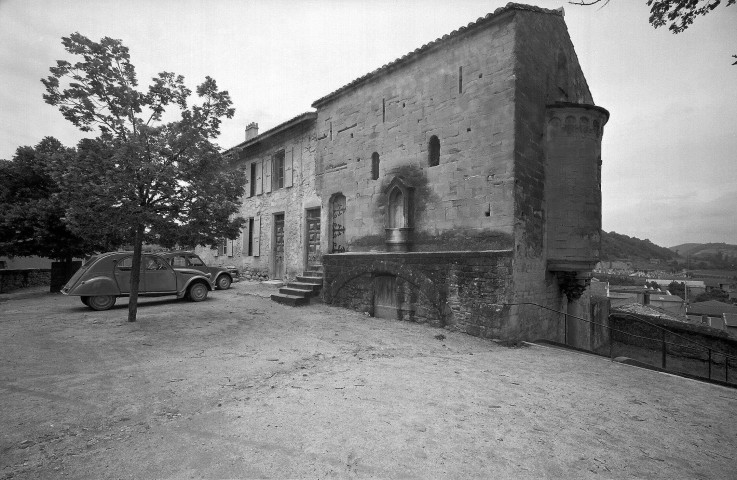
[(314, 254), (278, 246)]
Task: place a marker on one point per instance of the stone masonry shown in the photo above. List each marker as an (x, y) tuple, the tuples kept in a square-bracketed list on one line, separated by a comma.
[(457, 185)]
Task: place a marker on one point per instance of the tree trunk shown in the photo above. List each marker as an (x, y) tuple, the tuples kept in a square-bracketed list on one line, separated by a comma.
[(135, 273)]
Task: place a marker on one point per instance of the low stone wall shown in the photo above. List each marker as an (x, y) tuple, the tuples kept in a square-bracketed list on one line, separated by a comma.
[(685, 336), (22, 278), (248, 273), (462, 291)]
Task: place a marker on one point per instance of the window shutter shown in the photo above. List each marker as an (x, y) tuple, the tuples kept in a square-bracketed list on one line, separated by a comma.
[(288, 160), (248, 180), (257, 236), (267, 175), (229, 248), (259, 182)]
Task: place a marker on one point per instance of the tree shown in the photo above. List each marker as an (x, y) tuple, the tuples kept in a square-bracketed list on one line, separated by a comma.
[(677, 288), (30, 217), (141, 179), (680, 13)]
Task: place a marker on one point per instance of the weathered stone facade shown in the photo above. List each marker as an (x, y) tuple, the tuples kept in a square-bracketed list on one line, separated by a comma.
[(457, 185)]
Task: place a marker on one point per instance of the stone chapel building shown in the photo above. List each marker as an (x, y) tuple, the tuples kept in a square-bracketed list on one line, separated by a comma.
[(458, 185)]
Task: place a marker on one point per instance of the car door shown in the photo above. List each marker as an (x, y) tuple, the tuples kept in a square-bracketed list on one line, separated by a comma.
[(159, 276), (123, 274)]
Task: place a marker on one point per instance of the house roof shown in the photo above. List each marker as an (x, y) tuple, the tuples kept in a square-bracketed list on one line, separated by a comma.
[(411, 56), (712, 308), (665, 298), (293, 122)]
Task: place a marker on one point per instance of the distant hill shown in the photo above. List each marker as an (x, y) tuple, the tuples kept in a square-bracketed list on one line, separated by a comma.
[(615, 246), (705, 249), (708, 255)]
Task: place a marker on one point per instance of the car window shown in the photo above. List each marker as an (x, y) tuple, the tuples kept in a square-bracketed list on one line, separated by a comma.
[(126, 263), (178, 261), (155, 263), (195, 261)]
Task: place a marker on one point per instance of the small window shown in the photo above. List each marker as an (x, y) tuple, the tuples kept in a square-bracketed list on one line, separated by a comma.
[(250, 236), (277, 174), (178, 261), (375, 166), (253, 179), (195, 261), (433, 151), (154, 263), (126, 263)]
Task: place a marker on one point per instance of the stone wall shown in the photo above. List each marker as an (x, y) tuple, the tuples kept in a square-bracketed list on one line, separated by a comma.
[(462, 291), (461, 92), (299, 143), (23, 278)]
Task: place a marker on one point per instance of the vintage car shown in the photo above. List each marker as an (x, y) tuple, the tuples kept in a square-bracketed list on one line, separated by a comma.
[(105, 277), (222, 276)]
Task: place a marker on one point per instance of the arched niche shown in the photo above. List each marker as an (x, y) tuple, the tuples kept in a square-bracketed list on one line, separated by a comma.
[(399, 223)]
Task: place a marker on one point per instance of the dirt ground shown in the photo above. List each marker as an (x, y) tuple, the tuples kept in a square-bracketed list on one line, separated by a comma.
[(240, 387)]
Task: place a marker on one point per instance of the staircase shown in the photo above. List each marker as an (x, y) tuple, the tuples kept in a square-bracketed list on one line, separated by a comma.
[(299, 292)]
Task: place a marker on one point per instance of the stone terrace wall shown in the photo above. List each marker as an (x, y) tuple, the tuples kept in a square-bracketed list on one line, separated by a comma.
[(458, 290), (461, 91), (23, 278)]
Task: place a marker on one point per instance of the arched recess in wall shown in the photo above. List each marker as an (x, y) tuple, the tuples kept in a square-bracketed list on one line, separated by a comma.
[(375, 166), (337, 223), (396, 209), (433, 151), (424, 286)]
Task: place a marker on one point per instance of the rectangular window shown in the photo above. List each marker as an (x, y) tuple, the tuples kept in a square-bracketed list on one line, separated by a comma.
[(252, 186), (249, 237), (277, 173)]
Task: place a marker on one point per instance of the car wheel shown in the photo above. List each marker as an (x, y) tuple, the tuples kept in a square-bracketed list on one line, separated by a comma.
[(85, 300), (197, 292), (101, 302), (224, 282)]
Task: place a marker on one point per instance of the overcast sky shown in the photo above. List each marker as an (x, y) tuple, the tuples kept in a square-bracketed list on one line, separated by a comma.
[(670, 147)]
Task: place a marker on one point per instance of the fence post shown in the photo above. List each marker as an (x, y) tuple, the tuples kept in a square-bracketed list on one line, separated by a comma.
[(565, 328), (664, 349), (710, 364), (726, 369)]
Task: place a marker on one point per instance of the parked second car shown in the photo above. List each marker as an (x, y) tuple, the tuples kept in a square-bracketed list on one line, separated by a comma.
[(104, 278), (222, 277)]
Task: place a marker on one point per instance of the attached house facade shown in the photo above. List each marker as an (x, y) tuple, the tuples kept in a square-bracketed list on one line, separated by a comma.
[(459, 185)]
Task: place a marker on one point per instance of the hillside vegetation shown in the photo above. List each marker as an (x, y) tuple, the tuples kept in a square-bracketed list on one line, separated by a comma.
[(615, 246)]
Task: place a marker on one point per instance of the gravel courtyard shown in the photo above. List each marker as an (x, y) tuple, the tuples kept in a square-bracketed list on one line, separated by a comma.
[(240, 387)]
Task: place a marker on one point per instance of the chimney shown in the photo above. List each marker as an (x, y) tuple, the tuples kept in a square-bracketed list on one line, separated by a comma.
[(251, 130)]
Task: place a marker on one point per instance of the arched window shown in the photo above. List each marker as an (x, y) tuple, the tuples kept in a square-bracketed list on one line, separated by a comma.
[(375, 166), (396, 209), (433, 151)]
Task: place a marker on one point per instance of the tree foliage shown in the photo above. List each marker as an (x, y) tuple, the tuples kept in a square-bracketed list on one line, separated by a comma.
[(142, 178), (31, 218)]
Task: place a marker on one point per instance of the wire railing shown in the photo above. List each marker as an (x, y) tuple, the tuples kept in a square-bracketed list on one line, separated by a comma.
[(681, 362)]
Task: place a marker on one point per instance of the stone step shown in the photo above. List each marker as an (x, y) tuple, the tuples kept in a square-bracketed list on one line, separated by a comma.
[(309, 279), (297, 291), (313, 273), (313, 287), (291, 300)]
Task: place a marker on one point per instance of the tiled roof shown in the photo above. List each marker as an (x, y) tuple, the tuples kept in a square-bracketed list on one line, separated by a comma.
[(303, 117), (482, 21)]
